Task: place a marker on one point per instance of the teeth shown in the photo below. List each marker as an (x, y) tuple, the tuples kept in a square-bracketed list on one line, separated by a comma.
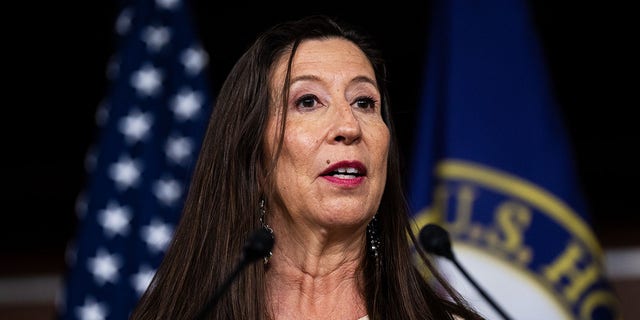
[(347, 170)]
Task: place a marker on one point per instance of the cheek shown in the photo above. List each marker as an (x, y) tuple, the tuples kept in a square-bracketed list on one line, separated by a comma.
[(270, 138), (297, 151), (299, 140), (381, 141)]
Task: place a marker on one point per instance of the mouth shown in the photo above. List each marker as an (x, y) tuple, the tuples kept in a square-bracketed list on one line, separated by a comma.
[(345, 170)]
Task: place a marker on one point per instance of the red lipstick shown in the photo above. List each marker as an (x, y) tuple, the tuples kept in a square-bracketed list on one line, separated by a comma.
[(345, 173)]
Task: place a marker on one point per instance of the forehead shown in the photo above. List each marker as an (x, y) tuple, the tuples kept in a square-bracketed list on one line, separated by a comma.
[(330, 56)]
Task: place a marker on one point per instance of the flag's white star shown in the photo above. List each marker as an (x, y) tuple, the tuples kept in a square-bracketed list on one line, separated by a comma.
[(104, 267), (167, 4), (168, 191), (114, 219), (123, 22), (91, 159), (113, 67), (92, 310), (186, 104), (71, 254), (157, 235), (155, 37), (147, 80), (141, 280), (194, 60), (125, 173), (135, 126), (81, 205), (102, 113), (178, 149)]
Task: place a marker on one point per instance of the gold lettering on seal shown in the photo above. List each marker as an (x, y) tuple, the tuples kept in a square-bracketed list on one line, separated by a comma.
[(566, 265), (441, 193), (599, 298), (465, 196), (511, 219)]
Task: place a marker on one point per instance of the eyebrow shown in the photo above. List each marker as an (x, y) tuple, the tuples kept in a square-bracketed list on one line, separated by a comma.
[(358, 79)]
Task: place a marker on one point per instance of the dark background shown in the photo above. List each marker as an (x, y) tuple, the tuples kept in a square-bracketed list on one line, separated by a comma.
[(57, 57)]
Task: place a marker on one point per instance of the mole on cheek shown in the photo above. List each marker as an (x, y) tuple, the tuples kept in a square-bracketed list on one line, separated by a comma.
[(328, 161)]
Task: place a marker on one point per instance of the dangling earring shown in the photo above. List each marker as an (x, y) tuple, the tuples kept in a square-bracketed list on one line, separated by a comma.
[(265, 226), (373, 239)]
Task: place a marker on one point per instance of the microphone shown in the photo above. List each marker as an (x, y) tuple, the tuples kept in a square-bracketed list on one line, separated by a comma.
[(435, 239), (257, 246)]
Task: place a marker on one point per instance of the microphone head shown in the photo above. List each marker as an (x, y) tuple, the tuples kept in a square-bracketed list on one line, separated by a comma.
[(258, 245), (435, 239)]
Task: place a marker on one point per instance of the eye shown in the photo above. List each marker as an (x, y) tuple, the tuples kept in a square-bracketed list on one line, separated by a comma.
[(306, 101), (365, 103)]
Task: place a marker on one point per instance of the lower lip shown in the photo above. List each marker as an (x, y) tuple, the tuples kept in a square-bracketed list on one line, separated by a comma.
[(345, 182)]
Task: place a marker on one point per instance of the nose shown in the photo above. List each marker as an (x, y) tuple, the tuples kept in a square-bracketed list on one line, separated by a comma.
[(346, 127)]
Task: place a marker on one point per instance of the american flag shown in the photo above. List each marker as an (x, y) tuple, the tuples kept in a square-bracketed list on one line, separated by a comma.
[(150, 125)]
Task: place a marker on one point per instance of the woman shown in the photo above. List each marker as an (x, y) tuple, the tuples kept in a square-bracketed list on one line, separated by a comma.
[(300, 143)]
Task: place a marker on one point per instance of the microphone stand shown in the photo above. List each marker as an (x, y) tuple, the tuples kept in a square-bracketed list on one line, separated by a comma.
[(223, 288), (257, 246), (435, 239), (479, 289)]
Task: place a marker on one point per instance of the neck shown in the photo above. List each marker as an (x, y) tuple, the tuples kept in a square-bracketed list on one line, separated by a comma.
[(295, 294), (317, 276)]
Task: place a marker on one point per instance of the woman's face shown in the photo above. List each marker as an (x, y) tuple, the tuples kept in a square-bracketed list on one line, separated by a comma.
[(333, 165)]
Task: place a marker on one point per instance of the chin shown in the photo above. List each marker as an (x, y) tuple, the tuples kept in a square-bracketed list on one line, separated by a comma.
[(346, 217)]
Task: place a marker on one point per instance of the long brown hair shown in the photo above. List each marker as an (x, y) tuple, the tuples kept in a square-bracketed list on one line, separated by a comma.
[(231, 176)]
